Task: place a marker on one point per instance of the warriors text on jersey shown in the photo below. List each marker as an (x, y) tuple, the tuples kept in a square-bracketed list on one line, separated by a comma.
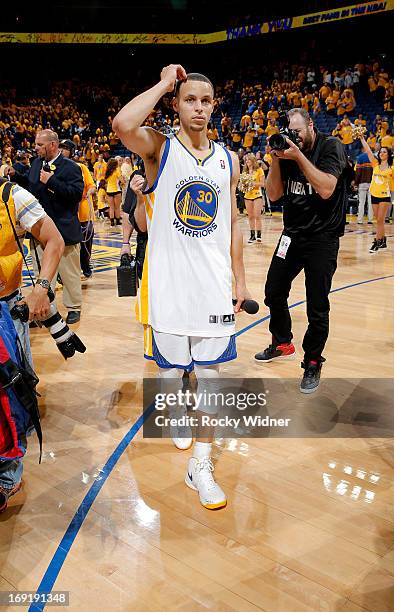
[(187, 280)]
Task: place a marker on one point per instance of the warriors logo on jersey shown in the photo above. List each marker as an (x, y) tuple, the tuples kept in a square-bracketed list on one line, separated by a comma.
[(196, 206)]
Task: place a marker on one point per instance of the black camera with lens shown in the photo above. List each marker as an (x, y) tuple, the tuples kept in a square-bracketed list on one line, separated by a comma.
[(66, 340), (278, 142), (127, 276)]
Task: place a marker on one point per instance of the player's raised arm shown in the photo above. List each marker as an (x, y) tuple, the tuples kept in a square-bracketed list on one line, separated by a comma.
[(145, 141)]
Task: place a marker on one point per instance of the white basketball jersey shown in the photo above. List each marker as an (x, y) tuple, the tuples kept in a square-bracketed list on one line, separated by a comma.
[(189, 228)]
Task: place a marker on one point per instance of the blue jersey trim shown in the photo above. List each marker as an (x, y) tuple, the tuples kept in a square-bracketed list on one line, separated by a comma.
[(202, 162), (161, 168), (162, 361), (188, 368), (211, 153), (228, 354), (215, 361), (230, 161)]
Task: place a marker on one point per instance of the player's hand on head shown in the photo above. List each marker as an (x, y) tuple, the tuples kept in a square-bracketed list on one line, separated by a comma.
[(171, 74)]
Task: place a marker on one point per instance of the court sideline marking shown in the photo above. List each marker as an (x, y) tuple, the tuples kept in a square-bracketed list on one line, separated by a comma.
[(58, 559)]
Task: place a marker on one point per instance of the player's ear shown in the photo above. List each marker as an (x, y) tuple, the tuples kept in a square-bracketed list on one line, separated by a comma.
[(175, 104)]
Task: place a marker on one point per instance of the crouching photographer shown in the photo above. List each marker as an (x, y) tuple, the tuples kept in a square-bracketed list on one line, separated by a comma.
[(20, 212), (309, 171), (130, 269)]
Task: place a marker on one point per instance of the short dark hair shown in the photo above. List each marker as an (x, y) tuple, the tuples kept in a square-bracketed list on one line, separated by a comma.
[(193, 76), (299, 111)]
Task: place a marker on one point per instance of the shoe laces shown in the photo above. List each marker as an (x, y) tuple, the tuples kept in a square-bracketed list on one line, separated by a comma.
[(204, 465), (204, 468), (310, 369), (270, 350)]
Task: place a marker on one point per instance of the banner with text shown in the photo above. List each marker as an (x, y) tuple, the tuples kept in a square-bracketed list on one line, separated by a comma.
[(265, 27)]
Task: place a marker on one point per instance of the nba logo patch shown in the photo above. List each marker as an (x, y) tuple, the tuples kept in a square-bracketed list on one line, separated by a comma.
[(222, 164)]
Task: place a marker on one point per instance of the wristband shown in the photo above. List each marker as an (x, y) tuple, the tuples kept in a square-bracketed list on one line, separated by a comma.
[(128, 243)]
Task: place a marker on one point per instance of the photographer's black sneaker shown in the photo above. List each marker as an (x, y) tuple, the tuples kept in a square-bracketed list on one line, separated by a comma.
[(311, 379), (383, 243), (73, 317), (275, 353), (374, 247)]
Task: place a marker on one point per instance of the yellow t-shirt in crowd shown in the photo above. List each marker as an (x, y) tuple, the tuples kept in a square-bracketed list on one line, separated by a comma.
[(113, 181), (384, 126), (345, 105), (268, 158), (371, 141), (380, 184), (99, 169), (102, 199), (346, 133), (387, 141), (336, 94), (246, 120), (84, 206), (272, 114), (295, 98), (248, 139), (382, 79), (271, 129), (330, 102), (256, 192), (213, 134), (258, 117), (324, 92)]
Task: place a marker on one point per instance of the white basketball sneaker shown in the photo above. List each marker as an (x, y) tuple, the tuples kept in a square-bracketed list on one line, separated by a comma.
[(181, 434), (199, 477)]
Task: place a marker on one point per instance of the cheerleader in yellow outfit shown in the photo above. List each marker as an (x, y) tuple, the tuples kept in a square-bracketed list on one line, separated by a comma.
[(113, 177), (254, 197), (382, 177)]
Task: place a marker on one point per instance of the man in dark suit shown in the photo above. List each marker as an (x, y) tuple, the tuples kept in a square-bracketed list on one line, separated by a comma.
[(57, 184)]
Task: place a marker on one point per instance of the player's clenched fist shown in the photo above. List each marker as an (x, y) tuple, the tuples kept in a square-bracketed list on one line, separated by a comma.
[(172, 73), (137, 183)]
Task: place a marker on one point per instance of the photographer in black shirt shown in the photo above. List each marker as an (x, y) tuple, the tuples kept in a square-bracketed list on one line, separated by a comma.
[(311, 180), (133, 192)]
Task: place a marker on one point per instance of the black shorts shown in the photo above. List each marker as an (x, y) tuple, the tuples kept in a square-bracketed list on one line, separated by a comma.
[(113, 193), (375, 200), (253, 199)]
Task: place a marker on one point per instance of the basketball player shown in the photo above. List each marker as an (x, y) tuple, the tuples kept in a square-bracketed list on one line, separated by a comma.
[(194, 242)]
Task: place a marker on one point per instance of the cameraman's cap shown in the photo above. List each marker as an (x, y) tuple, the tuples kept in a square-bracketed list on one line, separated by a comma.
[(67, 144)]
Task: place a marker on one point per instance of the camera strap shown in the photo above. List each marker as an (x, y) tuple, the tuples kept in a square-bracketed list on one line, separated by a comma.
[(6, 196)]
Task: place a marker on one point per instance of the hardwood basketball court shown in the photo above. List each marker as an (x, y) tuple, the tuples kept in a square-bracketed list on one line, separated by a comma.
[(309, 523)]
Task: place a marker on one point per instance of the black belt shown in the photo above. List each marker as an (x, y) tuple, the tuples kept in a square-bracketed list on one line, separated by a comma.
[(8, 298)]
